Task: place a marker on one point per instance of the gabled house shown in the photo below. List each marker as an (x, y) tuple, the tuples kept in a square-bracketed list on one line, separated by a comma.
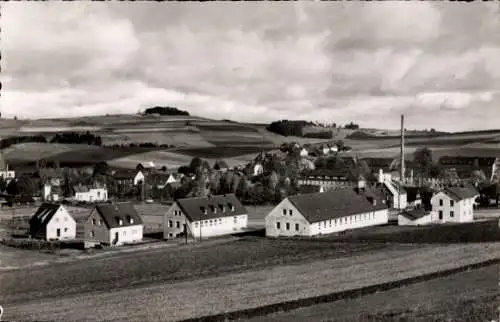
[(325, 213), (52, 222), (415, 217), (90, 194), (454, 204), (397, 194), (129, 177), (205, 217), (114, 224), (160, 180)]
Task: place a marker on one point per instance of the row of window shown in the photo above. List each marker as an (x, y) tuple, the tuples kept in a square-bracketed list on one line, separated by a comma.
[(452, 202), (124, 233), (452, 214), (346, 220), (287, 226), (65, 219), (290, 212)]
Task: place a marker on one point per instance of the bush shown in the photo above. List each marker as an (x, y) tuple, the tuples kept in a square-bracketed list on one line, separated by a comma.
[(165, 111), (77, 138)]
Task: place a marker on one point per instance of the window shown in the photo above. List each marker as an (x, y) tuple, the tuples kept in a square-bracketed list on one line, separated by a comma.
[(170, 224), (287, 226), (91, 234), (220, 220), (65, 218), (235, 220), (99, 222), (452, 202), (440, 202), (278, 225), (296, 227), (196, 225), (57, 219), (177, 224), (65, 230), (330, 223), (440, 214), (284, 212), (211, 222), (93, 221), (290, 212), (124, 233), (452, 214), (324, 223)]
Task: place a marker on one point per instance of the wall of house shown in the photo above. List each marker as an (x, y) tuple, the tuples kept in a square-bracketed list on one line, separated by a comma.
[(374, 218), (95, 229), (126, 235), (92, 195), (462, 210), (404, 221), (281, 214), (139, 177), (174, 221), (61, 220)]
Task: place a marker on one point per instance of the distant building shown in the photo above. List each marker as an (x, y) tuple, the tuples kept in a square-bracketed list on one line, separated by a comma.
[(51, 192), (415, 217), (304, 152), (114, 224), (90, 194), (52, 222), (398, 196), (325, 213), (339, 178), (454, 204), (206, 217), (258, 169), (5, 172)]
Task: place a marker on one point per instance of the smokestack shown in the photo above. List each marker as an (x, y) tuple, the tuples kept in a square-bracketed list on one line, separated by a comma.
[(402, 163)]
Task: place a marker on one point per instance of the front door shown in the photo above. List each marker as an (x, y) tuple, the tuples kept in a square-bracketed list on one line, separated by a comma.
[(58, 232), (115, 241)]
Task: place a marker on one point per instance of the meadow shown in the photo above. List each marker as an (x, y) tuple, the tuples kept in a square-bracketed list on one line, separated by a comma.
[(192, 281)]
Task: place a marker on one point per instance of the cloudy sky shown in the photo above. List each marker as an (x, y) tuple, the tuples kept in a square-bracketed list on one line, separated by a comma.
[(438, 63)]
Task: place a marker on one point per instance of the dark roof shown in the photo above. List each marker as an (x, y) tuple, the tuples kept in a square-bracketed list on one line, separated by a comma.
[(397, 186), (327, 174), (211, 207), (43, 215), (309, 189), (125, 174), (112, 213), (416, 213), (460, 193), (80, 189), (321, 206)]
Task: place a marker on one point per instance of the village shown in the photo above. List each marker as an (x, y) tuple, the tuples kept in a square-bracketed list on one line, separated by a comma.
[(288, 193)]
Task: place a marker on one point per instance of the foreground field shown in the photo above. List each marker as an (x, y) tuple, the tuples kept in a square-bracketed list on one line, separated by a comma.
[(201, 281), (468, 296)]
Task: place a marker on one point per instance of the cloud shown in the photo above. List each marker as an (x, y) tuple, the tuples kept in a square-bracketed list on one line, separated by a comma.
[(345, 61)]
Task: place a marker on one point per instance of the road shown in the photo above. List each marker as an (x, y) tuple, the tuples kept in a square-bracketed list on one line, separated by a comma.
[(161, 285)]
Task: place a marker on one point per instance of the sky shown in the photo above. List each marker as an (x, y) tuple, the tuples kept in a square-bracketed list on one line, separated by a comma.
[(438, 63)]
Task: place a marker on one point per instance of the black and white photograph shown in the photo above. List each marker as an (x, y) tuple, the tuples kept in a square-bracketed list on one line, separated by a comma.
[(250, 161)]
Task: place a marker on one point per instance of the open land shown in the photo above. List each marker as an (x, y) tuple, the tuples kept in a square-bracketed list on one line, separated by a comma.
[(467, 296), (155, 284)]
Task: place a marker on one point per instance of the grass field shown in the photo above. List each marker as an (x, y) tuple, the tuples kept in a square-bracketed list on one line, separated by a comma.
[(175, 284), (468, 296)]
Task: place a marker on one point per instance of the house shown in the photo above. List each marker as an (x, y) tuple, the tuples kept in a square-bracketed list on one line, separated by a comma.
[(128, 177), (328, 178), (325, 213), (52, 222), (258, 169), (304, 152), (398, 198), (160, 179), (113, 224), (5, 172), (414, 217), (454, 204), (90, 194), (325, 149), (205, 217), (51, 192), (310, 189)]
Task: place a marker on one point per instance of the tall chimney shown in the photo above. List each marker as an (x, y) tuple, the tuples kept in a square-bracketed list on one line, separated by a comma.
[(402, 162)]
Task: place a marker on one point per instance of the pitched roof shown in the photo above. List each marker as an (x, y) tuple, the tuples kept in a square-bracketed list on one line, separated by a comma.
[(80, 189), (211, 207), (396, 185), (113, 213), (309, 189), (327, 174), (416, 213), (125, 174), (321, 206), (460, 193), (43, 215)]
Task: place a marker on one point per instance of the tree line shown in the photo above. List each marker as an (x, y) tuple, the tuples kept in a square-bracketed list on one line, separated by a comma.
[(77, 138), (165, 110), (11, 140)]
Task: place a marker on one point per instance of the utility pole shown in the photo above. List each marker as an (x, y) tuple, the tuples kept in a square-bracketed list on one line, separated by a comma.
[(200, 227)]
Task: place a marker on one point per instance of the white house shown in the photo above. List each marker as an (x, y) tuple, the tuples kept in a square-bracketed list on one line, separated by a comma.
[(139, 178), (50, 192), (398, 195), (304, 152), (52, 222), (454, 204), (205, 217), (114, 224), (258, 169), (325, 213), (415, 217), (84, 193), (5, 173)]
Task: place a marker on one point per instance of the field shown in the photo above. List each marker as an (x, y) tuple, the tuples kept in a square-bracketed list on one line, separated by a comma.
[(193, 280), (468, 296)]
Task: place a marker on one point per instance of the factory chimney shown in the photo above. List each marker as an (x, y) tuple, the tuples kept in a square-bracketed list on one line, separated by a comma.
[(402, 161)]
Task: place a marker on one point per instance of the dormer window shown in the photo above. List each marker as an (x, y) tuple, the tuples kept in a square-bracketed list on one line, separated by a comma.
[(221, 207), (203, 210), (231, 206), (119, 221), (130, 220), (213, 209)]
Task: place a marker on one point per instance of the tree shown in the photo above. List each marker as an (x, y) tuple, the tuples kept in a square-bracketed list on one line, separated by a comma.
[(164, 169), (196, 163), (100, 168), (272, 181), (334, 162), (12, 188), (340, 144), (242, 189), (3, 184), (320, 163), (423, 159)]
